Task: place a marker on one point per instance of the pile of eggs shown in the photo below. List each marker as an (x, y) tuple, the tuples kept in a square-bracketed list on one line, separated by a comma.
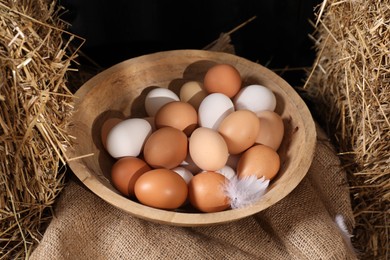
[(192, 144)]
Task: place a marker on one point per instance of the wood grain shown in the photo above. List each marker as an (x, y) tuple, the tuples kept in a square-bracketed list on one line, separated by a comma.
[(120, 91)]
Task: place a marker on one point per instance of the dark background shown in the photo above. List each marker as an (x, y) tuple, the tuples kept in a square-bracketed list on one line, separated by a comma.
[(117, 30)]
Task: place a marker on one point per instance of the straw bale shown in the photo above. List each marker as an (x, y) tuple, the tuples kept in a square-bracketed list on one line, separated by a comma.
[(35, 104), (350, 85)]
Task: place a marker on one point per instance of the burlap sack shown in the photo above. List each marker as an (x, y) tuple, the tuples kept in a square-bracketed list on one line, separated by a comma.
[(301, 226)]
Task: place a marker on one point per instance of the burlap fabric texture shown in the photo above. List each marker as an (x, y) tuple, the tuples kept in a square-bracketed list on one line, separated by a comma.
[(301, 226)]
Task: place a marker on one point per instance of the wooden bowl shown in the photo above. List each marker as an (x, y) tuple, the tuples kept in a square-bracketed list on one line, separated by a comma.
[(121, 90)]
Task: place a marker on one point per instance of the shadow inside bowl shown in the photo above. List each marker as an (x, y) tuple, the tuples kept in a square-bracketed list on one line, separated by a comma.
[(104, 159), (197, 70), (138, 104)]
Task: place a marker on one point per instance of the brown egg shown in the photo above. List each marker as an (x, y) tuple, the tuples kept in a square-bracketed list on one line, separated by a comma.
[(239, 129), (125, 172), (208, 149), (206, 192), (222, 78), (161, 188), (106, 127), (166, 148), (179, 115), (271, 129), (259, 160)]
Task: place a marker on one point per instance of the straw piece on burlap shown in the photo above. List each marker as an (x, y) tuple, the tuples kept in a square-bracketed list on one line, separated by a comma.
[(350, 85), (301, 226)]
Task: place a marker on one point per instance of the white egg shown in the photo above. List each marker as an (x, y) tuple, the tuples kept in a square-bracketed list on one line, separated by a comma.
[(227, 171), (213, 109), (158, 97), (255, 98), (184, 173), (128, 137)]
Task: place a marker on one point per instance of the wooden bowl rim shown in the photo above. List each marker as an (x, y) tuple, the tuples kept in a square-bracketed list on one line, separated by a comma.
[(193, 219)]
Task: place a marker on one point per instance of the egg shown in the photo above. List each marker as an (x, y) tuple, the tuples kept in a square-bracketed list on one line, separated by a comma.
[(213, 109), (255, 98), (125, 172), (128, 137), (208, 149), (271, 129), (193, 93), (206, 192), (166, 148), (239, 129), (227, 171), (106, 128), (158, 97), (161, 188), (222, 78), (184, 173), (179, 115), (259, 160)]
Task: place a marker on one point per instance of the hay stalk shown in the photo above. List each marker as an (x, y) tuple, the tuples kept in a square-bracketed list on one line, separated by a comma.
[(351, 81), (35, 104)]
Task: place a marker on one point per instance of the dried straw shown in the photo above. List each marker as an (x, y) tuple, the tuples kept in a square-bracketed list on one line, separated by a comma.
[(350, 83), (35, 104), (350, 80)]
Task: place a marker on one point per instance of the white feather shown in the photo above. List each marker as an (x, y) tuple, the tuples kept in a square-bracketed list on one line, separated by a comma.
[(339, 219), (341, 224), (246, 191)]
